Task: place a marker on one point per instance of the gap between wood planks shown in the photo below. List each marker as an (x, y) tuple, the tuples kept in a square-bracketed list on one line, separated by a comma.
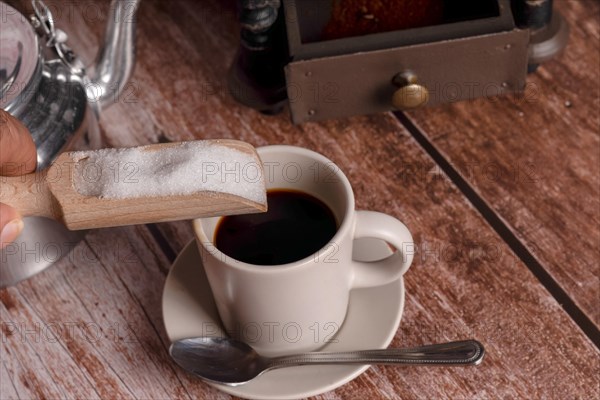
[(504, 231), (162, 242)]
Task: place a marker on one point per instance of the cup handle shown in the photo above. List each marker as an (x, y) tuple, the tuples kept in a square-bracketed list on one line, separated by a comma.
[(382, 226)]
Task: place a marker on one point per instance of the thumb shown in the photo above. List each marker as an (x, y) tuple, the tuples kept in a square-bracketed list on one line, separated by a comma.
[(17, 150), (11, 224), (17, 156)]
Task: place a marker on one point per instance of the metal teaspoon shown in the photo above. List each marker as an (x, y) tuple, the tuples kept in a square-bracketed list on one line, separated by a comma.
[(231, 362)]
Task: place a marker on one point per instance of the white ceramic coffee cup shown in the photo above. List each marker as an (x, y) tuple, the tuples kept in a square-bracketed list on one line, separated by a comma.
[(299, 306)]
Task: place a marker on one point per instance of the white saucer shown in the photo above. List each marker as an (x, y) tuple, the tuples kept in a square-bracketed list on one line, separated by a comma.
[(372, 321)]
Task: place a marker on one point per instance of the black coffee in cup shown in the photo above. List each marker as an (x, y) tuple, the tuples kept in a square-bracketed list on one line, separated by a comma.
[(295, 226)]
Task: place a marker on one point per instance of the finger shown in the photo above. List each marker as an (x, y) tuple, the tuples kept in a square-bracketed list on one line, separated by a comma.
[(17, 150), (11, 224)]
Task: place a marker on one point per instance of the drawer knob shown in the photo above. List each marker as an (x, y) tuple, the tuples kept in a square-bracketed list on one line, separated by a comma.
[(410, 94)]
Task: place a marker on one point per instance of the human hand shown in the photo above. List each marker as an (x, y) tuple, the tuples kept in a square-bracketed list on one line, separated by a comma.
[(17, 157)]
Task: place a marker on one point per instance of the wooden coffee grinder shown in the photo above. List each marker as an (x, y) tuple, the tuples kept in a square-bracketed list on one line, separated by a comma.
[(335, 58)]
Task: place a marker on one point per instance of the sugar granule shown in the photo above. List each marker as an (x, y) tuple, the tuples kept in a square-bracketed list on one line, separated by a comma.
[(183, 169)]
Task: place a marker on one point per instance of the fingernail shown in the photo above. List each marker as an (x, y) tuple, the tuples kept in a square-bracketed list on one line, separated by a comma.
[(11, 231)]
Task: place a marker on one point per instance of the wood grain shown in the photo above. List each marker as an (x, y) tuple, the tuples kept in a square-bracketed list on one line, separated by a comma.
[(464, 282), (536, 158)]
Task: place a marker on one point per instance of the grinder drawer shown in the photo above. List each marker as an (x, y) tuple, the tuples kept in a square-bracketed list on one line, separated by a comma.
[(445, 71)]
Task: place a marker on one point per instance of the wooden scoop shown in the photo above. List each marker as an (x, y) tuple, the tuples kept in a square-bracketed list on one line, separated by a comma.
[(155, 183)]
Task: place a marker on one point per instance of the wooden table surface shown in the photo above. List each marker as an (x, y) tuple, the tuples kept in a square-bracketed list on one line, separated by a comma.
[(501, 195)]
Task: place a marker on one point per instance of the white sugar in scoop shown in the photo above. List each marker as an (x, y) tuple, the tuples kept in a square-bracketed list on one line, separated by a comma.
[(170, 170), (155, 183)]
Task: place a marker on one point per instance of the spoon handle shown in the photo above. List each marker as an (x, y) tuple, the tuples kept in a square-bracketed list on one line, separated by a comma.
[(467, 352)]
